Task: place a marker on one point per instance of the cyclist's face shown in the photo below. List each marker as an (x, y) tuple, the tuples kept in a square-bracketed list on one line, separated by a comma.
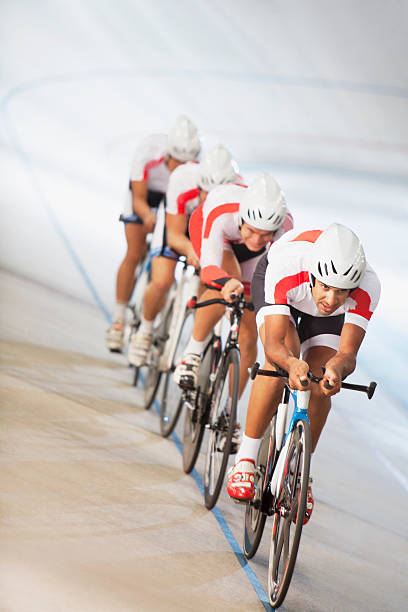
[(328, 299), (172, 163), (255, 239), (202, 194)]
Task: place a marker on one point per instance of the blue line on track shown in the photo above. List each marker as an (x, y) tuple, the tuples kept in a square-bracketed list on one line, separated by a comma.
[(229, 536), (51, 213)]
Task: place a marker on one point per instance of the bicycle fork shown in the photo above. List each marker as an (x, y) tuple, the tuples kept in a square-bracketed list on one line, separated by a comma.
[(301, 399)]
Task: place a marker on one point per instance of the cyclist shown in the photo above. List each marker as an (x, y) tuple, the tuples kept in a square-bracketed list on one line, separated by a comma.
[(230, 232), (188, 187), (314, 294), (154, 161)]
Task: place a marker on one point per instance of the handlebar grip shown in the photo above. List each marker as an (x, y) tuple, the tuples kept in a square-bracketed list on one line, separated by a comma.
[(369, 391), (371, 388), (254, 370)]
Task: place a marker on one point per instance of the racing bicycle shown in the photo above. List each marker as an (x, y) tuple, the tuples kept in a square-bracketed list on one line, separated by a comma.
[(281, 484), (170, 334), (212, 405)]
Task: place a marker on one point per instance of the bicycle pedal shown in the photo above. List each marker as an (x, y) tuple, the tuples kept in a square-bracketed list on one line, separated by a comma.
[(240, 501)]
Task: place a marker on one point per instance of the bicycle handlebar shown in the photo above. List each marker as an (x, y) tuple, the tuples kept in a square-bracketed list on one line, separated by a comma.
[(279, 373), (238, 300)]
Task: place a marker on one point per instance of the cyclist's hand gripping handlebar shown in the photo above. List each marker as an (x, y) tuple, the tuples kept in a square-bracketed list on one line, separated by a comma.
[(279, 373)]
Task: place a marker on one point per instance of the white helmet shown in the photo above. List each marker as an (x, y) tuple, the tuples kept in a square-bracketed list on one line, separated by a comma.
[(216, 168), (337, 258), (183, 140), (263, 205)]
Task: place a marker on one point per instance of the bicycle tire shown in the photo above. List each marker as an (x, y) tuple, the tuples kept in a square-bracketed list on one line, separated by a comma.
[(255, 517), (172, 402), (196, 415), (153, 376), (151, 385), (292, 498), (136, 372), (193, 431), (221, 425)]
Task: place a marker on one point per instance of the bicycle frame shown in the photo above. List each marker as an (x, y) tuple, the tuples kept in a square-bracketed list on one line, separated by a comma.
[(301, 403)]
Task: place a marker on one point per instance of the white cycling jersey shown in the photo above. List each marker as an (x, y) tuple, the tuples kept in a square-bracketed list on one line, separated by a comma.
[(182, 191), (149, 164), (287, 283)]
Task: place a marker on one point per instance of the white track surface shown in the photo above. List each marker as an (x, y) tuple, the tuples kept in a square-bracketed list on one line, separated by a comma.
[(96, 512)]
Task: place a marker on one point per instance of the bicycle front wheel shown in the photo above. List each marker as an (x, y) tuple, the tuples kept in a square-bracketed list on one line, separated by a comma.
[(290, 511), (221, 425), (172, 402), (160, 337), (255, 515), (194, 423)]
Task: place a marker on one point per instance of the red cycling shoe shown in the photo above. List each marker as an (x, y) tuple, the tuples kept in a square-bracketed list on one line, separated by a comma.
[(241, 480)]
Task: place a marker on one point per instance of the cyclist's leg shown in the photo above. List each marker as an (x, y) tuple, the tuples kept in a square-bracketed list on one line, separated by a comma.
[(319, 404), (247, 344), (266, 392), (156, 292), (320, 340), (136, 245)]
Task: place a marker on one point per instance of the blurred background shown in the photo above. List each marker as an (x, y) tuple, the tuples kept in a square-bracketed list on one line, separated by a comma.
[(315, 92)]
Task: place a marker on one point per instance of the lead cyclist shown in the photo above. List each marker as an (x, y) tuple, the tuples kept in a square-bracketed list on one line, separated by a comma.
[(314, 294)]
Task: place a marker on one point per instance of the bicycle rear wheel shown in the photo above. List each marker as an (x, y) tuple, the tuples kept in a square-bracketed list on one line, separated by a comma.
[(172, 402), (290, 511), (221, 425), (255, 515)]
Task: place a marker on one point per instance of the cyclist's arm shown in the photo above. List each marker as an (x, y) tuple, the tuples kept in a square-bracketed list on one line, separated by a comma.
[(140, 205), (344, 361), (276, 330), (212, 251), (176, 226)]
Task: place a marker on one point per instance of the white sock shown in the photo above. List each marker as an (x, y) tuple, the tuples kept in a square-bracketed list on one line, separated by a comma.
[(119, 313), (196, 346), (249, 448), (145, 327)]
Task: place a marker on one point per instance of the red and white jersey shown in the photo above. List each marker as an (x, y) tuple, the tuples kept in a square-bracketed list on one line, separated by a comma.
[(215, 227), (287, 282), (149, 163), (182, 191)]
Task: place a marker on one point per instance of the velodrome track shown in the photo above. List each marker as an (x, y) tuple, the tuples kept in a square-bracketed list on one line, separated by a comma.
[(97, 514)]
